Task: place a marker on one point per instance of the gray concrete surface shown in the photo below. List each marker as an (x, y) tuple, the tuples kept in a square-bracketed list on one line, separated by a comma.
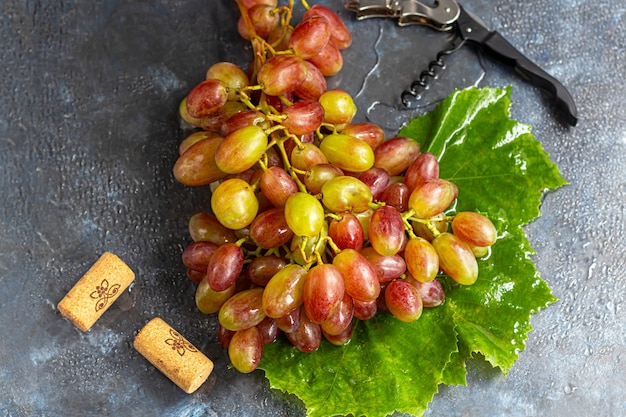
[(88, 136)]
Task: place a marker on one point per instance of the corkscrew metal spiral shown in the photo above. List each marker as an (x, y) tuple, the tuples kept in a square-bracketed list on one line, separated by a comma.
[(449, 15), (418, 86)]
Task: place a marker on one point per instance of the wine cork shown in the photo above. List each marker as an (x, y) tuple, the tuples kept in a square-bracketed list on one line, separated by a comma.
[(96, 291), (173, 355)]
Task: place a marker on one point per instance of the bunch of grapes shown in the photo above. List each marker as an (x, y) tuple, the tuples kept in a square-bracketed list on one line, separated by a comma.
[(315, 221)]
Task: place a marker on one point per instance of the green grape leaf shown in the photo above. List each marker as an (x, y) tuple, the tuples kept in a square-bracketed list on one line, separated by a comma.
[(502, 172)]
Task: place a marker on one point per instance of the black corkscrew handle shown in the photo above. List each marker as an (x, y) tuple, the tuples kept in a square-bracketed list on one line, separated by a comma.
[(496, 45)]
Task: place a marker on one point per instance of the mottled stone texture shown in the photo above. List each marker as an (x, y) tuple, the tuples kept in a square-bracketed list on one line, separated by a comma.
[(88, 137)]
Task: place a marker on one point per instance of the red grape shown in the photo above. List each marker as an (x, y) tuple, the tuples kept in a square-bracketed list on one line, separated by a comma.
[(310, 36), (303, 117), (307, 336), (246, 349), (456, 258), (421, 259), (347, 232), (285, 291), (277, 185), (196, 166), (386, 230), (360, 279), (403, 301), (474, 228), (206, 98), (224, 267), (282, 74), (323, 290), (260, 270), (432, 197), (397, 154), (243, 310)]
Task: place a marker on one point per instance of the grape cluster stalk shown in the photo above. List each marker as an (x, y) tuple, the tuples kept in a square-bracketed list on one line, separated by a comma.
[(315, 221)]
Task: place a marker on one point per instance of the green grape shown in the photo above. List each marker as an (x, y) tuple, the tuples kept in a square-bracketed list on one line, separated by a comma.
[(421, 259), (304, 257), (234, 203), (474, 228), (243, 310), (479, 251), (347, 152), (306, 156), (338, 106), (345, 193), (197, 166), (320, 174), (246, 349), (456, 258), (304, 214), (241, 149), (210, 301), (285, 291)]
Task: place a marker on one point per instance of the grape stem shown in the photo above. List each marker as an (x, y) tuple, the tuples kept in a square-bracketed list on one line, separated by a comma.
[(242, 241), (281, 147), (331, 243), (427, 222)]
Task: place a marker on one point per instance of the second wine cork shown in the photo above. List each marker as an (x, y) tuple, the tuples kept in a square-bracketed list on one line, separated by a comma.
[(173, 355)]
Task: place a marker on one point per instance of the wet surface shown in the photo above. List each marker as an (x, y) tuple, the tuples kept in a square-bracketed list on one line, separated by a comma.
[(88, 138)]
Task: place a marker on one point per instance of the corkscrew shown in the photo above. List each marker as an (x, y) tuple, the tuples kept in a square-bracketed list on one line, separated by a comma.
[(448, 15)]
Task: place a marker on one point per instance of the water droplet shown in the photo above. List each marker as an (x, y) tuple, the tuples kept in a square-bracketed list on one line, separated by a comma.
[(569, 389)]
